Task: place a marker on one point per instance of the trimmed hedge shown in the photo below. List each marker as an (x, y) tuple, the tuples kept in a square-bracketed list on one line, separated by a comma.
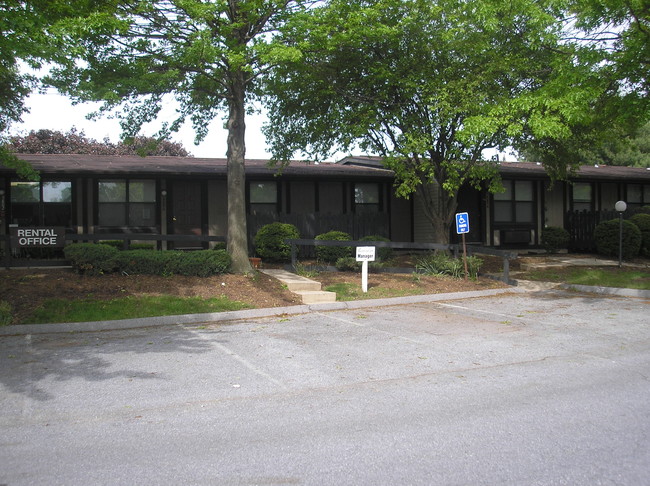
[(607, 234), (269, 241), (330, 254), (94, 259), (554, 239), (91, 258)]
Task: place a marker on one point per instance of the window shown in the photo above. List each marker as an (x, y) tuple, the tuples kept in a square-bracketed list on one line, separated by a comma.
[(126, 203), (638, 195), (516, 204), (366, 197), (582, 196), (47, 203), (263, 196)]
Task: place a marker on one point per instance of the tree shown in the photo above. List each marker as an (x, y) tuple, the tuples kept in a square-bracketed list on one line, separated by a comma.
[(429, 86), (24, 37), (208, 55), (615, 36), (74, 142)]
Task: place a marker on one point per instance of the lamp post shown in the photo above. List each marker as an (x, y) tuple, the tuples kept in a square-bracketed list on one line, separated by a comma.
[(620, 206)]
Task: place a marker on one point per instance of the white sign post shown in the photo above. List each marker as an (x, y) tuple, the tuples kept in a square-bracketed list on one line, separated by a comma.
[(365, 254)]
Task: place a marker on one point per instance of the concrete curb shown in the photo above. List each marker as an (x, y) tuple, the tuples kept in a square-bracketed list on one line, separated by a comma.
[(75, 327), (607, 290)]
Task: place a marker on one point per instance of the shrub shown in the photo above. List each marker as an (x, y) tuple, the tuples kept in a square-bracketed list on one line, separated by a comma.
[(118, 244), (555, 239), (347, 264), (219, 245), (441, 263), (330, 254), (270, 244), (642, 221), (606, 237), (5, 313), (382, 253), (142, 246), (90, 258), (201, 263)]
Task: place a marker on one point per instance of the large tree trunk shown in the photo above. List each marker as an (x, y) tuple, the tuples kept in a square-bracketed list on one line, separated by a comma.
[(237, 240), (439, 208)]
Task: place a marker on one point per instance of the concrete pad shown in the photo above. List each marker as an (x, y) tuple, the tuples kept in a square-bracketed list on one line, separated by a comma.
[(316, 296)]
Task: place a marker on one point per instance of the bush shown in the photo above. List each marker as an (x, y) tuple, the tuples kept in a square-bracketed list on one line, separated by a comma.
[(201, 263), (269, 241), (441, 263), (91, 258), (554, 239), (382, 253), (330, 254), (347, 264), (606, 237), (94, 259), (642, 221)]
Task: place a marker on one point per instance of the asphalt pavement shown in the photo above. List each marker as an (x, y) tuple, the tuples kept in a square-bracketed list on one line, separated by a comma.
[(544, 387)]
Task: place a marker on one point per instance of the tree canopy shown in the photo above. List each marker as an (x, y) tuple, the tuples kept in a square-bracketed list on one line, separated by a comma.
[(430, 86), (207, 55), (74, 142)]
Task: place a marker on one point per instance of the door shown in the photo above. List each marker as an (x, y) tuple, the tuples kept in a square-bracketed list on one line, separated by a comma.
[(187, 211)]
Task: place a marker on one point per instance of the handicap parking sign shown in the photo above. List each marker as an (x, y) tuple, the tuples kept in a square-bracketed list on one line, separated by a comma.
[(462, 223)]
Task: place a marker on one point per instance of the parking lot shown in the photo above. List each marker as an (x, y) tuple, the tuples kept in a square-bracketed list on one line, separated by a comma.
[(523, 388)]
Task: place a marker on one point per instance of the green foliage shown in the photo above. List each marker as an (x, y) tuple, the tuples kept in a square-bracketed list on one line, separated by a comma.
[(202, 263), (429, 86), (382, 253), (330, 254), (91, 258), (88, 310), (607, 235), (97, 259), (347, 264), (554, 239), (6, 313), (441, 263), (270, 241), (642, 221)]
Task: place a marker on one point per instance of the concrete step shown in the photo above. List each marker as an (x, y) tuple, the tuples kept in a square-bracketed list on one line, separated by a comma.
[(295, 283), (316, 296)]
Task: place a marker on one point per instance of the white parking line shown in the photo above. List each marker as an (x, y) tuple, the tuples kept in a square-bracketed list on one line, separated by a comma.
[(242, 360)]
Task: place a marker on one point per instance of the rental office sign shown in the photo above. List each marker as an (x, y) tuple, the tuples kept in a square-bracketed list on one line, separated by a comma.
[(37, 237)]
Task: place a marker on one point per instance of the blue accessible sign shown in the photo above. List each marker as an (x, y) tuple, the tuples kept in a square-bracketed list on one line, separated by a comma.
[(462, 223)]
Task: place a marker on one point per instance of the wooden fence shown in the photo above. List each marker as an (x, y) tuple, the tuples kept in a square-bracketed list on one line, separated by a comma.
[(455, 248), (581, 226)]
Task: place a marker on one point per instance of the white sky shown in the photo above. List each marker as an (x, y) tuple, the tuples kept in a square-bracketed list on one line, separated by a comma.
[(55, 112)]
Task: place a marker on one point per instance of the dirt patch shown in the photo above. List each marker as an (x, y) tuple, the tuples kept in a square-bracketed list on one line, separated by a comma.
[(26, 289)]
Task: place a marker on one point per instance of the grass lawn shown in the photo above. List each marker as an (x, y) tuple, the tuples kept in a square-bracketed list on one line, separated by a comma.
[(631, 278), (86, 310)]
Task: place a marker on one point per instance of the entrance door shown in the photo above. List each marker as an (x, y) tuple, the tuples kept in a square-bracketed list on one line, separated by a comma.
[(187, 215)]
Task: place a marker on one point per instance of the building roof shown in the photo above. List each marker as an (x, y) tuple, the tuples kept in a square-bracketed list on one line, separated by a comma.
[(353, 167), (125, 165), (536, 170)]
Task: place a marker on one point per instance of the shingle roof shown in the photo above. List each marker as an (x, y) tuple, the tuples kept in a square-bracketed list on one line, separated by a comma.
[(350, 167), (529, 169), (186, 166)]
